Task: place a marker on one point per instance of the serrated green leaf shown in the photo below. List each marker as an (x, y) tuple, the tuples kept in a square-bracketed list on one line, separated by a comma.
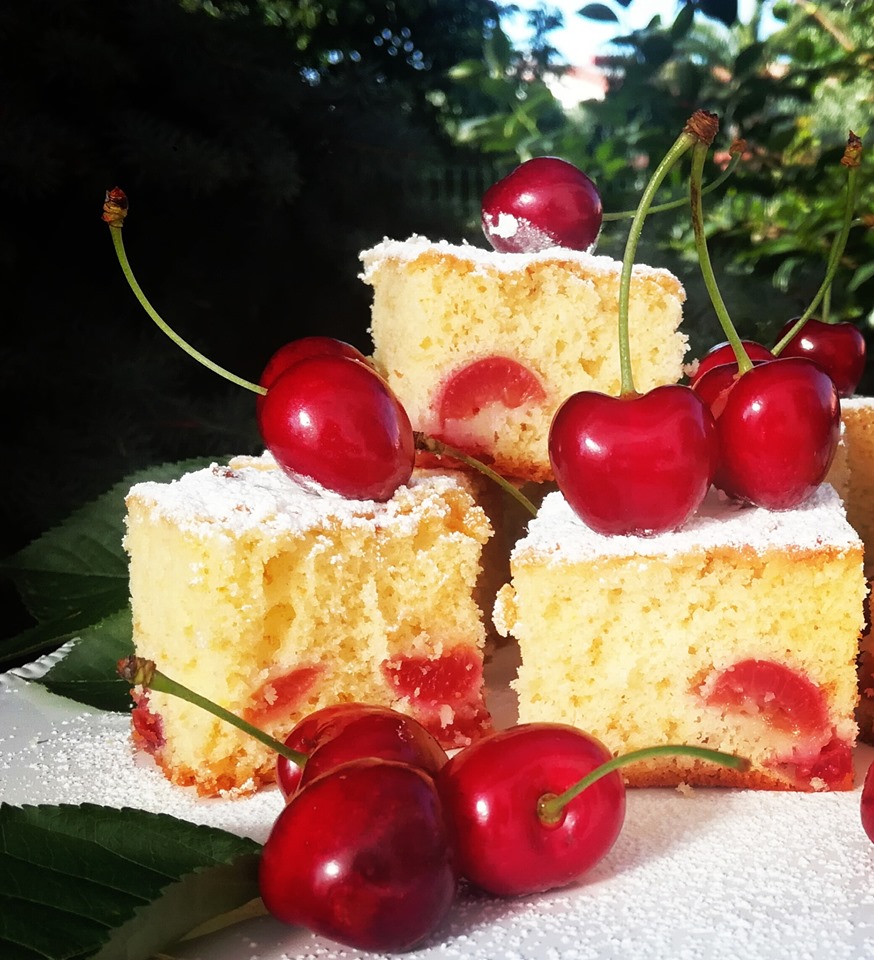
[(75, 575), (85, 880), (87, 672)]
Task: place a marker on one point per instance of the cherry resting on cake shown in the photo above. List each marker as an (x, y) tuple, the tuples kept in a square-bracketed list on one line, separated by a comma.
[(289, 354), (323, 411), (637, 464), (326, 416), (778, 426), (544, 202), (777, 421), (839, 348)]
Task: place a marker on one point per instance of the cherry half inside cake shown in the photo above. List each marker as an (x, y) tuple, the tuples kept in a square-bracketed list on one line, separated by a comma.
[(473, 400), (791, 711)]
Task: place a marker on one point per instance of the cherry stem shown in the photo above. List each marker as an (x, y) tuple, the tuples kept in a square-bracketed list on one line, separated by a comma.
[(550, 806), (701, 123), (138, 671), (115, 220), (737, 149), (851, 160), (440, 449), (699, 155)]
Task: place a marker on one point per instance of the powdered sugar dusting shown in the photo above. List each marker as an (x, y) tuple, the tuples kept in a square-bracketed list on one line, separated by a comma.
[(558, 534), (708, 874), (857, 403), (252, 495), (480, 258)]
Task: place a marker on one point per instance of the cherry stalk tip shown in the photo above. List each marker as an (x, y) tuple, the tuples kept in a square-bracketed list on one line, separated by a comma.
[(703, 125), (853, 154), (136, 670), (115, 206)]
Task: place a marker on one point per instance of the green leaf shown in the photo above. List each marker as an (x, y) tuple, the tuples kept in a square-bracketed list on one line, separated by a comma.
[(862, 274), (465, 70), (723, 10), (87, 672), (598, 11), (75, 575), (682, 23), (80, 881)]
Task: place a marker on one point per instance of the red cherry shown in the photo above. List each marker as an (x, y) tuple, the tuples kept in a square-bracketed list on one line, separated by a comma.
[(724, 353), (640, 464), (787, 699), (289, 354), (491, 791), (778, 429), (491, 380), (868, 803), (544, 202), (336, 421), (473, 400), (362, 855), (351, 731), (839, 348)]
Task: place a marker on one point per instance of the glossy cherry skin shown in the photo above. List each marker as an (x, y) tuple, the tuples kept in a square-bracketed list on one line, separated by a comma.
[(778, 429), (724, 353), (491, 791), (545, 202), (634, 465), (336, 421), (867, 810), (289, 354), (362, 855), (839, 348), (350, 731)]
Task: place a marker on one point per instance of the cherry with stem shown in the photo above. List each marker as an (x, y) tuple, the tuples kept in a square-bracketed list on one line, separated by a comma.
[(777, 421), (538, 805), (636, 464), (303, 384), (851, 160), (839, 348)]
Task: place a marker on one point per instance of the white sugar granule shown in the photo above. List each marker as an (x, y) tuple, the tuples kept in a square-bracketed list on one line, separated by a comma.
[(716, 874)]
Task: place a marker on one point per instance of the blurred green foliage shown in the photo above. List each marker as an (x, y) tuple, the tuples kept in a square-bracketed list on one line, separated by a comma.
[(793, 95)]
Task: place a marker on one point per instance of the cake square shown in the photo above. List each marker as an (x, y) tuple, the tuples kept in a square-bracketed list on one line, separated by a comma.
[(482, 347), (274, 598), (738, 632)]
